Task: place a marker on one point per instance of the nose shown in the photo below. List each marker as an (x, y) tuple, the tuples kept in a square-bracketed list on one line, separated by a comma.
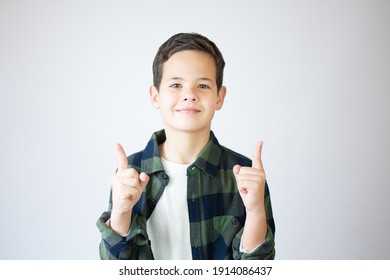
[(190, 95)]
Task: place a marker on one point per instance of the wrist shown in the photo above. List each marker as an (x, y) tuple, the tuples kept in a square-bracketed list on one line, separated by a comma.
[(120, 222), (256, 212), (120, 213)]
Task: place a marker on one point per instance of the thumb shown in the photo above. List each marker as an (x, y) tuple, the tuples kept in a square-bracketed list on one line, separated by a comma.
[(236, 169), (256, 161), (236, 172), (144, 179)]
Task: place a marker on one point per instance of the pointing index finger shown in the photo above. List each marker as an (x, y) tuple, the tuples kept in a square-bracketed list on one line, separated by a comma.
[(256, 162), (123, 163)]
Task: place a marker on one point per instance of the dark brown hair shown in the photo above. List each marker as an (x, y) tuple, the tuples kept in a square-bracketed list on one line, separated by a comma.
[(187, 41)]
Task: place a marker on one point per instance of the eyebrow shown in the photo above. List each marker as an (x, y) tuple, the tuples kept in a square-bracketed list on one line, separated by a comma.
[(199, 79)]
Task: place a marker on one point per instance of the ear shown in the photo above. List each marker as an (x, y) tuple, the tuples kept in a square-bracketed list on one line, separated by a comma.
[(220, 98), (154, 96)]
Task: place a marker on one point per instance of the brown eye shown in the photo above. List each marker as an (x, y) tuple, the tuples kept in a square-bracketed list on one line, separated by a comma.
[(175, 86), (204, 86)]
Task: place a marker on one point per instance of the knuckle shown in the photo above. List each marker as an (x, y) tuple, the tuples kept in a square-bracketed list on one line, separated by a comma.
[(133, 172)]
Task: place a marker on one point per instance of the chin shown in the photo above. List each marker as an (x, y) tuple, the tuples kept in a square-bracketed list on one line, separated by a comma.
[(187, 128)]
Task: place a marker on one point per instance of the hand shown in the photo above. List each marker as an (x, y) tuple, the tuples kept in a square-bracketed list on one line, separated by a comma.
[(251, 183), (127, 185)]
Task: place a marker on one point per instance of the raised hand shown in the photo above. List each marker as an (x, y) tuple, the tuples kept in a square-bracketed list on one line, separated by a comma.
[(251, 182), (127, 188), (251, 185)]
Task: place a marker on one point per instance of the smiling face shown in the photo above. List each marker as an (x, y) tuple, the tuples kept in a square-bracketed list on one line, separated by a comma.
[(188, 95)]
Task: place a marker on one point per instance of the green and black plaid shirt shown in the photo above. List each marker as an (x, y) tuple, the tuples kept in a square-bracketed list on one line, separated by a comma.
[(216, 211)]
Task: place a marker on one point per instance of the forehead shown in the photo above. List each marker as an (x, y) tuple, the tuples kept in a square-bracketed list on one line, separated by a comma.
[(190, 63)]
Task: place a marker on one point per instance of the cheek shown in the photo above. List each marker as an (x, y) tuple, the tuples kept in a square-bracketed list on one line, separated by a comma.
[(167, 104), (166, 100), (212, 103)]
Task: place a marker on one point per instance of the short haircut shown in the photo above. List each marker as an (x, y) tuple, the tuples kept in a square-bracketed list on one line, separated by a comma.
[(182, 42)]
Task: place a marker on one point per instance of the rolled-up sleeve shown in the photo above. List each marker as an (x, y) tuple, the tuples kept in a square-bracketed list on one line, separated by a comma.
[(265, 251), (135, 245)]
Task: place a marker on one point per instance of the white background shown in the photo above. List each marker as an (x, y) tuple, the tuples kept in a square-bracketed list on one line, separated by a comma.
[(310, 78)]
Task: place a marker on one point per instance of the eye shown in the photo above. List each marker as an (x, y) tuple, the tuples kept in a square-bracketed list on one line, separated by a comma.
[(203, 86), (175, 85)]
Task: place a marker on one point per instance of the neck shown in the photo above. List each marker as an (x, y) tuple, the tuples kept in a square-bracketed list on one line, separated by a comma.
[(183, 147)]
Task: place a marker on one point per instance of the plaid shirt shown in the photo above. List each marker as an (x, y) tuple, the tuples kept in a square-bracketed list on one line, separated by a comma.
[(216, 211)]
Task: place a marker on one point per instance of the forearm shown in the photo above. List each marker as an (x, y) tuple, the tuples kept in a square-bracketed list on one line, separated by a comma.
[(255, 230)]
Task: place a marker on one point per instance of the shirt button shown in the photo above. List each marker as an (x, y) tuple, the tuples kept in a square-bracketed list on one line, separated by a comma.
[(196, 243), (193, 196)]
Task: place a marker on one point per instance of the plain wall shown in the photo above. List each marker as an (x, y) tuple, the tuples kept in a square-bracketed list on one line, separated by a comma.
[(309, 78)]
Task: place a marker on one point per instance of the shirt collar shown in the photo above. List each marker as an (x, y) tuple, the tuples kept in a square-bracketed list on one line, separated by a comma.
[(151, 158), (209, 158), (207, 161)]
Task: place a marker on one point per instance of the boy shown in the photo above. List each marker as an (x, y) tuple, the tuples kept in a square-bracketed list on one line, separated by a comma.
[(185, 196)]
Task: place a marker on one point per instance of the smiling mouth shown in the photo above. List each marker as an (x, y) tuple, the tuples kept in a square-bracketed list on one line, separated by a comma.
[(188, 111)]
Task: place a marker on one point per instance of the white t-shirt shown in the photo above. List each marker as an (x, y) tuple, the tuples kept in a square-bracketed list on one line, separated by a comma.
[(168, 227)]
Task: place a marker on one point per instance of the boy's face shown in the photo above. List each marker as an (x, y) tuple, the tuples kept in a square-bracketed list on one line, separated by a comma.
[(188, 95)]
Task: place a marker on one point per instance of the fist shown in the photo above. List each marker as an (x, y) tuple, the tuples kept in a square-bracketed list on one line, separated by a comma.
[(251, 182), (127, 185)]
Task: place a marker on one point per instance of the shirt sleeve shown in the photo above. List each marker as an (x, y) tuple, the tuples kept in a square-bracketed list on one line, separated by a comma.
[(265, 251), (242, 250), (134, 245)]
